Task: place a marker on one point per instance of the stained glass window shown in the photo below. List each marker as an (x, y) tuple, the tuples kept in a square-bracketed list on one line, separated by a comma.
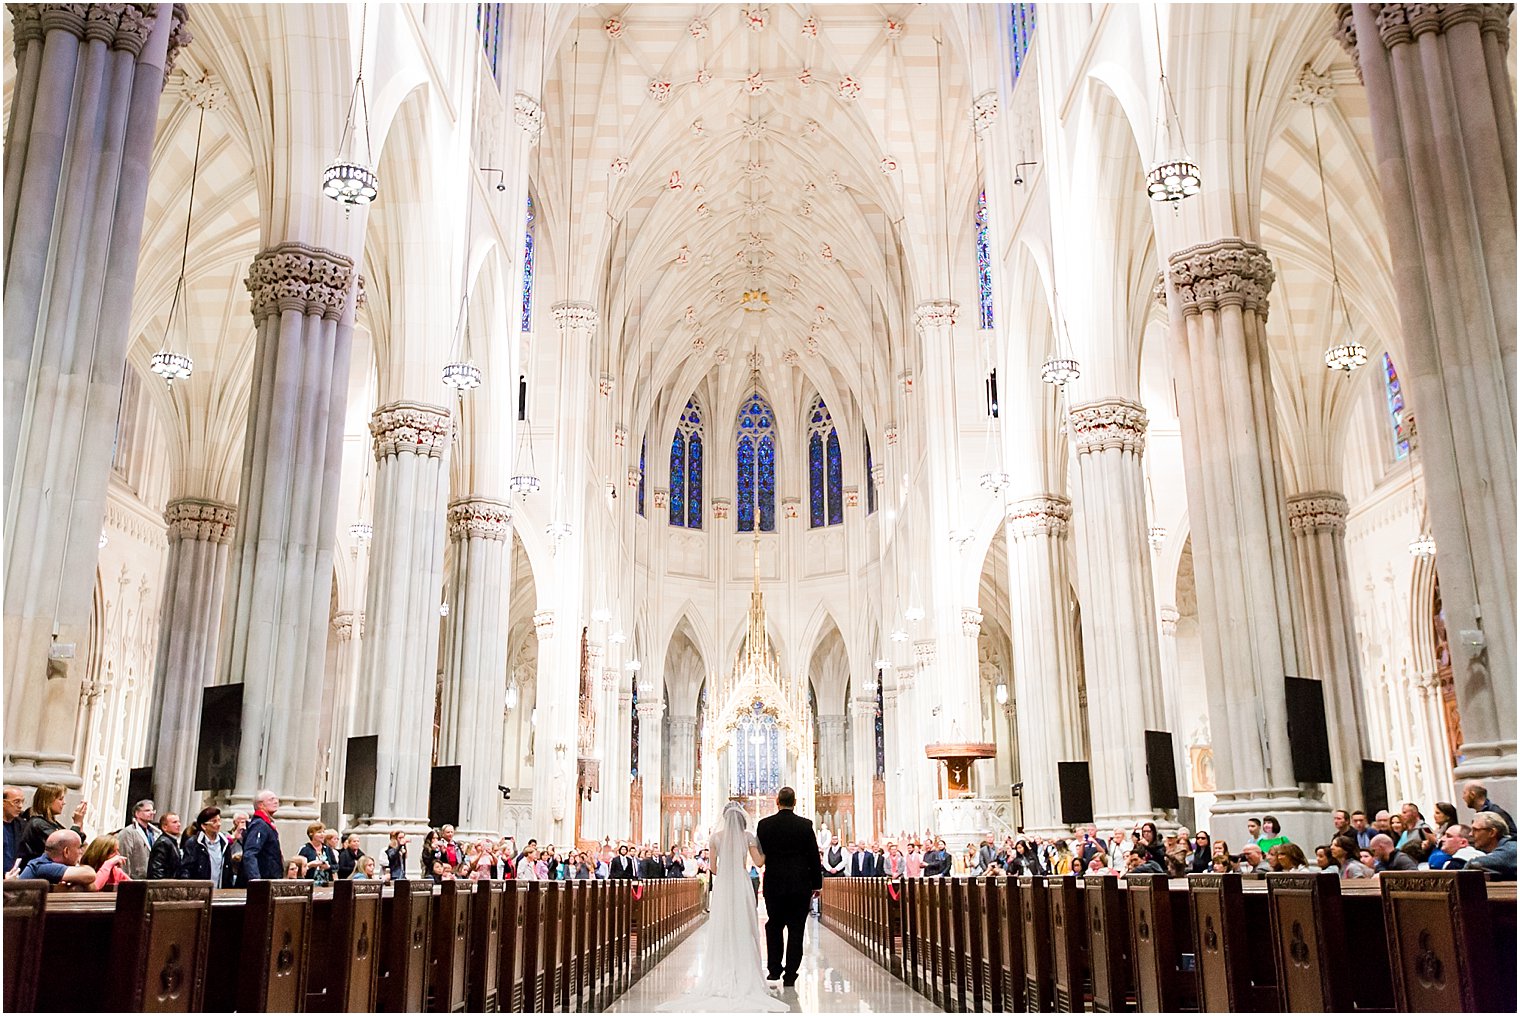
[(755, 454), (527, 300), (870, 479), (757, 753), (686, 469), (488, 18), (881, 740), (983, 260), (643, 446), (825, 471), (633, 734), (1396, 412), (1020, 33)]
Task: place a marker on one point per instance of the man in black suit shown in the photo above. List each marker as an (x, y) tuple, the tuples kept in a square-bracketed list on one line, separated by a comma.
[(862, 862), (622, 864), (793, 873)]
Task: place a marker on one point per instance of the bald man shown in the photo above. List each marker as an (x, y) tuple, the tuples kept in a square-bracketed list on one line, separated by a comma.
[(15, 804), (59, 861)]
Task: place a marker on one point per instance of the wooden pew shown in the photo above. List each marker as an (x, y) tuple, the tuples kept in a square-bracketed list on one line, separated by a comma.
[(25, 921), (1034, 910), (1108, 944), (483, 969), (551, 915), (160, 943), (993, 931), (1309, 942), (513, 965), (1158, 930), (913, 932), (1011, 951), (345, 942), (1442, 944), (955, 945), (937, 966), (571, 915), (406, 926), (1231, 974), (1068, 928), (973, 894), (272, 951)]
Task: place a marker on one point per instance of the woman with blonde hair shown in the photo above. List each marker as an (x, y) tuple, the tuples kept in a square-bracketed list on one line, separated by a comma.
[(110, 867), (42, 820)]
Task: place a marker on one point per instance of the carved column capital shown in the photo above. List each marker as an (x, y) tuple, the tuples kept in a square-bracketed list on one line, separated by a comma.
[(1041, 515), (342, 625), (1109, 423), (574, 315), (1321, 511), (529, 116), (479, 518), (1223, 273), (294, 276), (971, 622), (933, 314), (179, 38), (410, 426), (984, 111), (543, 624), (191, 518), (923, 652), (1169, 617)]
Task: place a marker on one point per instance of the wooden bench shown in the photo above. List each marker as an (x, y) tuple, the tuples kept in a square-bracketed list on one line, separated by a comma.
[(272, 953), (1068, 931), (1034, 920), (25, 922), (1108, 944), (406, 935), (1441, 943), (1164, 980), (344, 971), (483, 967), (160, 944), (1231, 974)]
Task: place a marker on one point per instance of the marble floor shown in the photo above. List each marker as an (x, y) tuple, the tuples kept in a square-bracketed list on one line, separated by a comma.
[(835, 977)]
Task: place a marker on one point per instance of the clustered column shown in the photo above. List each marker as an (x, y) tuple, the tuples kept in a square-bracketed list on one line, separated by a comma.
[(1123, 660), (683, 754), (399, 660), (1246, 595), (282, 558), (1044, 675), (1318, 523), (651, 764), (1442, 109), (347, 627), (861, 777), (475, 657), (199, 534), (80, 139)]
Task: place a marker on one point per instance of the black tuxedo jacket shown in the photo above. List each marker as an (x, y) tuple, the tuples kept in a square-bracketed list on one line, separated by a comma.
[(792, 863), (621, 867)]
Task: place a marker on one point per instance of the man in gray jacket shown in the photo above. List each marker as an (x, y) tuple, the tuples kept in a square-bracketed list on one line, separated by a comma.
[(135, 841)]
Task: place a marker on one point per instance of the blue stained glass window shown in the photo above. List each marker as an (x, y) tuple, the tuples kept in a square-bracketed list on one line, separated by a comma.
[(983, 260), (1396, 413), (825, 472), (643, 446), (488, 18), (881, 740), (686, 469), (527, 300), (755, 452), (633, 734), (678, 480), (757, 753), (870, 479), (1021, 24)]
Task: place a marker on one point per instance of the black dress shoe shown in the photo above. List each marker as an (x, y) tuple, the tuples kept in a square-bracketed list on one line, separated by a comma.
[(789, 981)]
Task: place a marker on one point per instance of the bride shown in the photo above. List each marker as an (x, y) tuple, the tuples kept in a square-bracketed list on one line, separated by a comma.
[(732, 979)]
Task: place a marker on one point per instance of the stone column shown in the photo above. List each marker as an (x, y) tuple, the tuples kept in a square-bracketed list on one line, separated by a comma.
[(475, 658), (861, 775), (82, 119), (1171, 683), (338, 696), (199, 533), (651, 765), (1318, 524), (620, 786), (1246, 596), (1044, 678), (280, 584), (1118, 608), (1443, 126), (400, 655), (683, 754), (909, 772)]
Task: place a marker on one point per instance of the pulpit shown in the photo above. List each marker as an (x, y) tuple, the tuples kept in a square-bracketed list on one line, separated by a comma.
[(959, 816)]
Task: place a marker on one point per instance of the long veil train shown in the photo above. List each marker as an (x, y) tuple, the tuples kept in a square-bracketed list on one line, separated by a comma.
[(732, 978)]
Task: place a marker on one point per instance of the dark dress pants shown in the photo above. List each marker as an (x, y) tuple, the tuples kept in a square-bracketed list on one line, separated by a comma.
[(785, 911)]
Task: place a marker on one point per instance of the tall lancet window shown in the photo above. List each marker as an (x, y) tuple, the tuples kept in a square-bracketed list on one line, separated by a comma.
[(643, 447), (983, 260), (1396, 414), (686, 469), (825, 474), (870, 479), (756, 457), (527, 300), (1021, 22)]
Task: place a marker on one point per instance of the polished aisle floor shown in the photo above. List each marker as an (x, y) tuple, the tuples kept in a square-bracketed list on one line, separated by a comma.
[(835, 977)]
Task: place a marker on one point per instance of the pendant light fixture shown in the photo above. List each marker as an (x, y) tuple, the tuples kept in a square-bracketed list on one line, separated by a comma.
[(1155, 535), (1173, 179), (166, 363), (1061, 369), (1349, 354), (1423, 546), (525, 481), (351, 180)]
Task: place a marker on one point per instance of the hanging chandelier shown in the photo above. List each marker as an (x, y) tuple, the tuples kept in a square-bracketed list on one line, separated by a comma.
[(617, 638), (1423, 547), (349, 180), (1060, 370), (1351, 354), (171, 367), (1174, 178), (1156, 537), (883, 664), (914, 614), (462, 376), (1347, 356), (898, 635), (166, 363), (525, 481), (362, 532), (994, 481)]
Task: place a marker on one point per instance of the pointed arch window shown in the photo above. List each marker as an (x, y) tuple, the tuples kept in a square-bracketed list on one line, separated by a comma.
[(755, 453), (880, 732), (870, 479), (825, 472), (633, 733), (1397, 416), (983, 260), (643, 447), (1021, 23), (686, 469), (527, 296)]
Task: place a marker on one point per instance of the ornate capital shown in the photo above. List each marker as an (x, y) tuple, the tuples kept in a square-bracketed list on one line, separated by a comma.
[(205, 92), (191, 518), (1109, 423), (26, 25), (1042, 515), (971, 622), (721, 507), (791, 507), (852, 497), (904, 680), (935, 314), (179, 38), (984, 111), (1322, 511), (529, 116), (1169, 617), (649, 712), (1401, 24), (1223, 273), (1312, 89), (342, 625), (410, 427), (295, 277), (479, 518), (543, 624), (923, 652), (572, 316)]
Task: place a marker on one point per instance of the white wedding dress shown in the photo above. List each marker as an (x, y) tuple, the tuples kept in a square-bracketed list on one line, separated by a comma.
[(732, 975)]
